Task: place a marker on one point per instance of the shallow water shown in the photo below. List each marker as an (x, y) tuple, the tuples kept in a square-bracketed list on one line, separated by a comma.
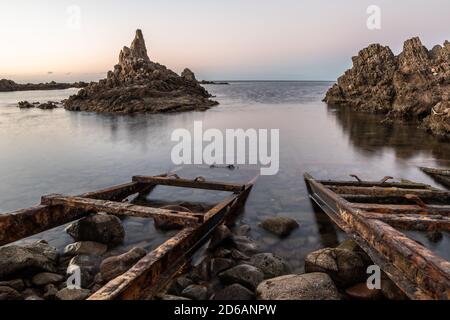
[(57, 151)]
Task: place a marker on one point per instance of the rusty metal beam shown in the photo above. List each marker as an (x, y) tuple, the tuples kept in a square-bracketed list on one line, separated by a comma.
[(415, 269), (146, 278), (412, 221), (406, 185), (403, 209), (390, 191), (185, 183), (27, 222), (121, 209)]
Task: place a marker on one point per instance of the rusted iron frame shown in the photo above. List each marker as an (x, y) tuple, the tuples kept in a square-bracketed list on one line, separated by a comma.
[(440, 175), (121, 209), (403, 209), (185, 183), (415, 269), (405, 185), (391, 191), (30, 221), (151, 273)]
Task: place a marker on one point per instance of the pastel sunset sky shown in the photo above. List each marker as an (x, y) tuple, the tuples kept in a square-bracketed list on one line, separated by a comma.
[(233, 39)]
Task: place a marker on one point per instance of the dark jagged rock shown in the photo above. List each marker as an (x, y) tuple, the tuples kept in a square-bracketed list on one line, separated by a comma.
[(9, 85), (138, 85), (415, 85)]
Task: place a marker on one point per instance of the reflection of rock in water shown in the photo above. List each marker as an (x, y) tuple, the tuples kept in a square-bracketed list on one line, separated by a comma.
[(368, 136)]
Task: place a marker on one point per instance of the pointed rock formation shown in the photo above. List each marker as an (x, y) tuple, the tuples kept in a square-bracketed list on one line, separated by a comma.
[(138, 85), (415, 85)]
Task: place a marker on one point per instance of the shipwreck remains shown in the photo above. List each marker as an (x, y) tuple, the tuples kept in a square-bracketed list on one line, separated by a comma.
[(440, 175), (155, 270), (374, 213)]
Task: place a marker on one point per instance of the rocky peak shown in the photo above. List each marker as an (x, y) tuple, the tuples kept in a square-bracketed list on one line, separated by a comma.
[(138, 48), (414, 56), (188, 75)]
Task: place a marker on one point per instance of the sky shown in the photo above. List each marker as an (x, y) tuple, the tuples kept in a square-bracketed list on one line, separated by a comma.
[(74, 40)]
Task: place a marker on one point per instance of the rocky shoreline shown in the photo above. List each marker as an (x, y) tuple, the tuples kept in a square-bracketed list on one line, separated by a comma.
[(9, 86), (230, 267), (413, 86), (138, 85)]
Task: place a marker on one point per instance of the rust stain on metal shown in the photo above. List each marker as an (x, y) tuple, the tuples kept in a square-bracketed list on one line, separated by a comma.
[(373, 217)]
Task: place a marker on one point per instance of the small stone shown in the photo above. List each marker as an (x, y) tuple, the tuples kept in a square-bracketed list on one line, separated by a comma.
[(243, 230), (180, 284), (271, 265), (245, 244), (44, 278), (220, 264), (220, 235), (196, 292), (237, 255), (113, 267), (360, 291), (345, 267), (101, 227), (281, 226), (88, 268), (244, 274), (89, 248), (310, 286), (234, 292), (16, 284), (73, 294), (50, 291), (8, 293), (221, 252)]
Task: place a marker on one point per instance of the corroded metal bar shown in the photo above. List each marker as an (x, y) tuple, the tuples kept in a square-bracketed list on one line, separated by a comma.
[(121, 209), (27, 222), (440, 175), (388, 199), (390, 191), (416, 270), (412, 221), (185, 183), (403, 209), (406, 185), (143, 280)]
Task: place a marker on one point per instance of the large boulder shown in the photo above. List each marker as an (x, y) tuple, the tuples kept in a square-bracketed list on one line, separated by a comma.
[(27, 259), (86, 266), (234, 292), (113, 267), (310, 286), (279, 225), (44, 278), (72, 294), (195, 292), (244, 274), (344, 266), (101, 227), (138, 85), (405, 87), (271, 265)]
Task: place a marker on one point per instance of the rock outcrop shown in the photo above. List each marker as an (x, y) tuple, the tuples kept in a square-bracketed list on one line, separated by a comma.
[(415, 85), (9, 85), (138, 85)]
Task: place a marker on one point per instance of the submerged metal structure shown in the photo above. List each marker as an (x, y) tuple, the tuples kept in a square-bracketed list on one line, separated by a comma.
[(440, 175), (374, 214), (149, 275)]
